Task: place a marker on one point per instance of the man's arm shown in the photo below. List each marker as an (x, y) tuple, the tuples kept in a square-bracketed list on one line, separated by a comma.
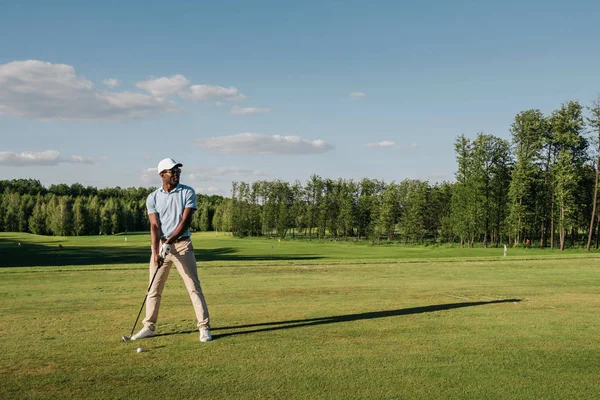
[(183, 225), (155, 235)]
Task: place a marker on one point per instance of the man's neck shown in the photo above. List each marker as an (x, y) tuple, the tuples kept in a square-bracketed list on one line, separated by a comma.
[(168, 187)]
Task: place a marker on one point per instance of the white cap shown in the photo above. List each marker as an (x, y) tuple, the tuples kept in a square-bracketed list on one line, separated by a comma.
[(167, 163)]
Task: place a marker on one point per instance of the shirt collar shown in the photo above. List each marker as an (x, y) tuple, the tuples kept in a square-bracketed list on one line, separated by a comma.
[(177, 188)]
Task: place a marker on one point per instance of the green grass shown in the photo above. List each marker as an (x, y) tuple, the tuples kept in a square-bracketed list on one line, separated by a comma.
[(21, 249), (303, 320)]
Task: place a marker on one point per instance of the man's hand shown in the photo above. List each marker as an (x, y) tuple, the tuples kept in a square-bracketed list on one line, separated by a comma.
[(165, 249)]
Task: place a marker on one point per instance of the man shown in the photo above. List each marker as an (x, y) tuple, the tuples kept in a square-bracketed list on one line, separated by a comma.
[(170, 210)]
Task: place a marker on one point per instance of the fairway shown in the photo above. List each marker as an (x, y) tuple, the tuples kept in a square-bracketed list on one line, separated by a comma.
[(299, 319)]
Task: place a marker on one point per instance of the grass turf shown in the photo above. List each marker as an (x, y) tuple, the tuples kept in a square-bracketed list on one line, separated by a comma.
[(348, 323)]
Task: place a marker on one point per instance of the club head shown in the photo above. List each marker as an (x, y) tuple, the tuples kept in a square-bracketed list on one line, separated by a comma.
[(126, 338)]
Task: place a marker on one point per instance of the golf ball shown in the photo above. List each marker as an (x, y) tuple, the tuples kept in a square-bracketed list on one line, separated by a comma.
[(139, 350)]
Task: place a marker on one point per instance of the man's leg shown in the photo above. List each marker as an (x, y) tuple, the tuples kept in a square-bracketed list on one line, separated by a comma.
[(155, 293), (185, 261)]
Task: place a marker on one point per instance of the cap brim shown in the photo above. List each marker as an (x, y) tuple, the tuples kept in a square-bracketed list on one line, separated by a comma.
[(173, 166)]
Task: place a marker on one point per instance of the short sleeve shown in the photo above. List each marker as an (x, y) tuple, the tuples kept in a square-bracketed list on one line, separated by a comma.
[(151, 204), (190, 199)]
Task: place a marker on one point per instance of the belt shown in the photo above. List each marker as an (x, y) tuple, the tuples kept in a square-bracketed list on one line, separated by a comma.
[(179, 239)]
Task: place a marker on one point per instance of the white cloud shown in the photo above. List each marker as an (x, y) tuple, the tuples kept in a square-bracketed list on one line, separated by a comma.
[(236, 110), (180, 85), (207, 92), (111, 82), (78, 160), (163, 87), (357, 94), (42, 90), (385, 143), (47, 91), (45, 158), (262, 144)]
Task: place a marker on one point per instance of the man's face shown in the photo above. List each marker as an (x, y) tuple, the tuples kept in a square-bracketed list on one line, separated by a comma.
[(171, 176)]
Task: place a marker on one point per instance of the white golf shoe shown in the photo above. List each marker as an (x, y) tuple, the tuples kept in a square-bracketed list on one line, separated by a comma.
[(142, 334), (205, 334)]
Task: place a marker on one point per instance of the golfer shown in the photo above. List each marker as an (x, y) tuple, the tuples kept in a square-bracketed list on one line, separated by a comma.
[(170, 210)]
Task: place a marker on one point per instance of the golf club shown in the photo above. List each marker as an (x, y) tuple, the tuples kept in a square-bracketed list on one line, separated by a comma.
[(128, 338)]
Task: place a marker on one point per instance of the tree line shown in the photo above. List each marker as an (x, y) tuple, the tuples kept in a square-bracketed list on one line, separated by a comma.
[(69, 210), (537, 189)]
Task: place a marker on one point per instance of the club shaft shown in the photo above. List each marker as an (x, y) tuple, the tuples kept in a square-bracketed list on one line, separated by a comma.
[(160, 263)]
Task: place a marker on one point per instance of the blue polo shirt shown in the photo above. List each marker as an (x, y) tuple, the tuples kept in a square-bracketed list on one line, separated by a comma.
[(169, 206)]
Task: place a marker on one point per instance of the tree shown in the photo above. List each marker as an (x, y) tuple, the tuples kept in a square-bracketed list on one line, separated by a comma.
[(224, 216), (490, 171), (464, 218), (80, 217), (329, 210), (204, 217), (10, 215), (60, 216), (594, 122), (298, 210), (388, 212), (94, 208), (37, 221), (366, 206), (529, 135), (106, 212), (284, 221), (347, 200), (438, 213), (567, 125), (25, 210), (314, 196), (413, 214)]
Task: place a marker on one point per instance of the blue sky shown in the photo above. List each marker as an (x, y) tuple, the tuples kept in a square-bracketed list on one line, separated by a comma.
[(99, 92)]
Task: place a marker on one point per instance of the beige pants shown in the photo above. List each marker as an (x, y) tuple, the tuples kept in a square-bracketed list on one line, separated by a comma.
[(182, 255)]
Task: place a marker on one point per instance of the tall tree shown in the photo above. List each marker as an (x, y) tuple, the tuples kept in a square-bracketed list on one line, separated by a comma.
[(567, 126), (529, 135), (439, 213), (80, 217), (204, 217), (314, 196), (464, 218), (490, 170), (10, 211), (25, 210), (594, 123), (347, 195), (388, 212), (367, 206), (298, 209), (37, 222), (413, 215), (60, 216)]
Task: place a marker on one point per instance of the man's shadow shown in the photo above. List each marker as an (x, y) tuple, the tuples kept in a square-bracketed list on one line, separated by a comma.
[(299, 323)]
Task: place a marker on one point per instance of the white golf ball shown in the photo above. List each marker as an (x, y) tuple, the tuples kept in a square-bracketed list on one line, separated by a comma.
[(139, 350)]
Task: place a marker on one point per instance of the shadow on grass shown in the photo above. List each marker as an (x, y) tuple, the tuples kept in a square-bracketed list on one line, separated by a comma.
[(299, 323), (26, 254)]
